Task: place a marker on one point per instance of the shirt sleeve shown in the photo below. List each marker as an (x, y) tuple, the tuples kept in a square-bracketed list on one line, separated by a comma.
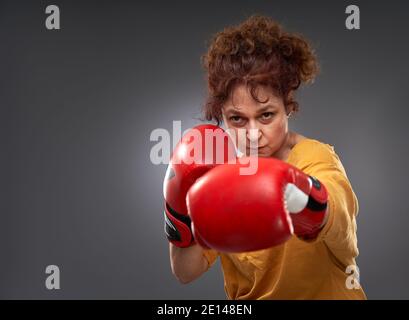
[(211, 257), (339, 233)]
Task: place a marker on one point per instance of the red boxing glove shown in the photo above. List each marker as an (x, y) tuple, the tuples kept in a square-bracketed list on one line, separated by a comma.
[(200, 149), (237, 213)]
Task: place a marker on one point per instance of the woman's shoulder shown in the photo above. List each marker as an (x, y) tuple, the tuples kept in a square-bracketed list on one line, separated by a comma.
[(309, 150), (310, 144)]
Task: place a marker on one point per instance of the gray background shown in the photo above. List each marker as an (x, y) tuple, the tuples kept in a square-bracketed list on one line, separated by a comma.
[(78, 105)]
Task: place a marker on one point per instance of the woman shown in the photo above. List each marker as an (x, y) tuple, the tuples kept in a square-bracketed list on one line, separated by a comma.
[(253, 71)]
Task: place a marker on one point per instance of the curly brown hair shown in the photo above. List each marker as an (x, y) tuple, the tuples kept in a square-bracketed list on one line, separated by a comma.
[(256, 52)]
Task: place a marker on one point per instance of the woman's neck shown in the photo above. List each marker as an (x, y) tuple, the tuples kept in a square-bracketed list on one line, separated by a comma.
[(290, 141)]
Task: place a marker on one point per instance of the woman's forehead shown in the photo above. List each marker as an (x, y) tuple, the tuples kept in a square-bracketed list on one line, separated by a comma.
[(242, 96), (244, 103)]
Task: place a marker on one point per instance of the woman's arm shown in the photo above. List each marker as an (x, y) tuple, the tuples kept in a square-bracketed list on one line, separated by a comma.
[(187, 264)]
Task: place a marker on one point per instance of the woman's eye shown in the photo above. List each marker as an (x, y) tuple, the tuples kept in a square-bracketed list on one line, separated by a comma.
[(267, 115), (235, 119)]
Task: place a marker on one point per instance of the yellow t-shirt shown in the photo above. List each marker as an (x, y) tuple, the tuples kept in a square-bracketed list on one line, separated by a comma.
[(298, 269)]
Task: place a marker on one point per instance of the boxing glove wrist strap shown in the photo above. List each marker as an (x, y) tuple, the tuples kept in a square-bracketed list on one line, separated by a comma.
[(308, 219), (178, 228)]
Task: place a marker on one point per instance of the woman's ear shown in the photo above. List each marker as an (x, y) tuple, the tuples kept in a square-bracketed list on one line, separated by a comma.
[(289, 110), (290, 106)]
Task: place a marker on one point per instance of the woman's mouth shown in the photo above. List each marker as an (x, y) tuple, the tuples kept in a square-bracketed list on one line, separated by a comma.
[(258, 150)]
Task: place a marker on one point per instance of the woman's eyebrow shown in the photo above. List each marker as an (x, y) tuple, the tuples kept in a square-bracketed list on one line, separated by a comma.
[(266, 107), (260, 110), (233, 111)]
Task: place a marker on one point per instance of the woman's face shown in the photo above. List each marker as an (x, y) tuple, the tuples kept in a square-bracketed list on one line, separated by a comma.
[(243, 112)]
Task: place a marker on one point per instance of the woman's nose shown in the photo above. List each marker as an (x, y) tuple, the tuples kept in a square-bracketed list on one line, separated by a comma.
[(253, 134)]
